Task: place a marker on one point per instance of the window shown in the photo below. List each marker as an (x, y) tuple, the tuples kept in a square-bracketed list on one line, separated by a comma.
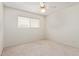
[(23, 22), (35, 23), (26, 22)]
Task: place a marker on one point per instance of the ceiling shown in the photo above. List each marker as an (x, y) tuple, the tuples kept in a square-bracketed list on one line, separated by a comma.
[(34, 7)]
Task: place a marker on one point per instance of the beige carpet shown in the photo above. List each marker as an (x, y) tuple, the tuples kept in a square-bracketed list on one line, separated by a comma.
[(41, 48)]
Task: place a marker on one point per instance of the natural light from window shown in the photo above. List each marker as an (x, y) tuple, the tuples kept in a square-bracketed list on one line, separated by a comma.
[(27, 22)]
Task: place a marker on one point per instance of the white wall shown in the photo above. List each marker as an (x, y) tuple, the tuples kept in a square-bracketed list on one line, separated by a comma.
[(63, 26), (14, 35), (1, 28)]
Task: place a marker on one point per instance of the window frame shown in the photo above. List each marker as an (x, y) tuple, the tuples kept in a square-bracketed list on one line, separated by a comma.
[(29, 22)]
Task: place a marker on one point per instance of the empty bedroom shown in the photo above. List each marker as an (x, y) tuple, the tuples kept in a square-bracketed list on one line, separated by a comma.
[(39, 28)]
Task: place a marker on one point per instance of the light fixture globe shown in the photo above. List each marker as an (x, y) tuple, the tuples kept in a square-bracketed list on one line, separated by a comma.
[(42, 7)]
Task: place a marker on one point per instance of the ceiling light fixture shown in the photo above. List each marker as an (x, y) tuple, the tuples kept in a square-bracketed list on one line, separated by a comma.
[(43, 7)]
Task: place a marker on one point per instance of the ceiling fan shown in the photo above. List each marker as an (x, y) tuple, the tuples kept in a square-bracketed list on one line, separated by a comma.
[(44, 7)]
